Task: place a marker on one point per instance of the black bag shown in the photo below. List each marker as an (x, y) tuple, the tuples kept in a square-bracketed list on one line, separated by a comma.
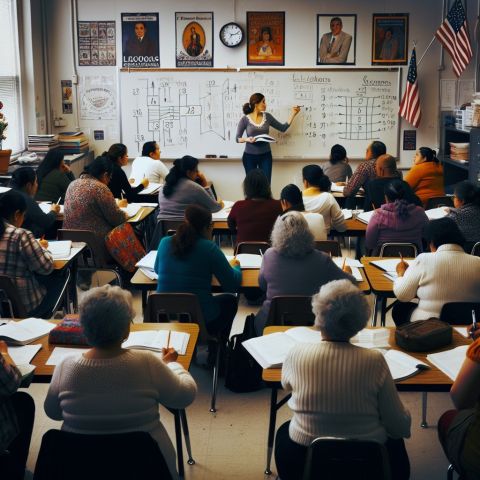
[(243, 373), (423, 335)]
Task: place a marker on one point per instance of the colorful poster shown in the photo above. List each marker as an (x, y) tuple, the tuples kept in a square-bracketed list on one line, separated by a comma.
[(194, 39), (96, 43), (140, 46), (390, 39), (266, 38), (67, 96)]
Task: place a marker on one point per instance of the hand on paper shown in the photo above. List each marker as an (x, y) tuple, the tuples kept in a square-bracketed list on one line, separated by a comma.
[(55, 208), (401, 268), (145, 182), (122, 203), (43, 243), (234, 262), (169, 355)]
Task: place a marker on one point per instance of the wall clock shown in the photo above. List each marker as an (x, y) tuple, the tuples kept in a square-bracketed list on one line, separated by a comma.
[(231, 34)]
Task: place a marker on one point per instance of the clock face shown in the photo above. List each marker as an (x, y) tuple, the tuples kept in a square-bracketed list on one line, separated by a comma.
[(231, 35)]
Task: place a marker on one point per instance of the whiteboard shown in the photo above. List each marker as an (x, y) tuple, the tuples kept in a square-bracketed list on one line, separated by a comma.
[(196, 112)]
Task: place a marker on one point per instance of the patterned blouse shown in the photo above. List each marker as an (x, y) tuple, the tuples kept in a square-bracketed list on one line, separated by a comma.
[(467, 217)]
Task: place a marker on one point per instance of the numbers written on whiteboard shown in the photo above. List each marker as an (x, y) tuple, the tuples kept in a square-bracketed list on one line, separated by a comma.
[(139, 137), (137, 112)]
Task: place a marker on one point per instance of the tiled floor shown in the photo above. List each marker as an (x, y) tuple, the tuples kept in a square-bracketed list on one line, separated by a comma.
[(232, 443)]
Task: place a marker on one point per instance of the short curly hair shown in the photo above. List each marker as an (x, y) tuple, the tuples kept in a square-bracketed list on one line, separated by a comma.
[(291, 236), (341, 310)]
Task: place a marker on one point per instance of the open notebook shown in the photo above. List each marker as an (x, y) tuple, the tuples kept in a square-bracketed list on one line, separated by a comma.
[(25, 331), (450, 361), (157, 339), (132, 209), (147, 263), (389, 265), (248, 260)]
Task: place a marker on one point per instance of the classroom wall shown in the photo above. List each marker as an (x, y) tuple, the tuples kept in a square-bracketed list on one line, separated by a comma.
[(300, 51)]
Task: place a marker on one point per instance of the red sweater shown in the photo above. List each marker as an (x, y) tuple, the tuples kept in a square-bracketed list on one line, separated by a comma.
[(254, 219)]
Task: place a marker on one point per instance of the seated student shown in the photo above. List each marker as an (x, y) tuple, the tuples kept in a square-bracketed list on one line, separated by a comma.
[(253, 218), (186, 262), (426, 175), (119, 184), (109, 389), (185, 185), (293, 266), (24, 180), (292, 201), (317, 198), (398, 220), (149, 165), (25, 260), (338, 169), (447, 274), (54, 177), (17, 412), (459, 430), (466, 213), (386, 168), (338, 389)]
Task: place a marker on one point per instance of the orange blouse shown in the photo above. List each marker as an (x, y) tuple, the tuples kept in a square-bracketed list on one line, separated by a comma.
[(426, 180)]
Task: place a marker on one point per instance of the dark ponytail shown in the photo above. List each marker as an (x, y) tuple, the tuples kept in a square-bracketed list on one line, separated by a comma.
[(197, 219), (99, 166), (468, 193), (115, 152), (10, 202), (314, 175), (292, 194), (179, 170), (337, 154), (396, 193), (429, 154), (21, 176), (250, 106)]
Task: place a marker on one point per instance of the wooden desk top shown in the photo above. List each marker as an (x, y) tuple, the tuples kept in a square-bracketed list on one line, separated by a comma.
[(43, 373), (61, 264), (426, 380), (142, 214), (378, 281)]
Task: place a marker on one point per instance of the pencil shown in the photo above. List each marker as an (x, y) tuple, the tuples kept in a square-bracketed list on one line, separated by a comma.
[(168, 339), (373, 206), (261, 253), (401, 256), (344, 261), (58, 201)]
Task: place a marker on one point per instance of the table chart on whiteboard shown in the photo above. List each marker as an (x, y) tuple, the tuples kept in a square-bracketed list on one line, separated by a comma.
[(197, 112)]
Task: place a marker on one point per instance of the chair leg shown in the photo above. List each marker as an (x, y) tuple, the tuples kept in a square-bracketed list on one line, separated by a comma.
[(450, 471), (374, 311), (424, 423), (215, 378), (178, 441), (186, 435)]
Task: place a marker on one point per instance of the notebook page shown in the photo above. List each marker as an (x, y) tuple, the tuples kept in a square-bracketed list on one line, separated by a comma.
[(23, 355), (59, 353), (25, 331), (450, 361), (179, 341), (148, 261), (270, 350)]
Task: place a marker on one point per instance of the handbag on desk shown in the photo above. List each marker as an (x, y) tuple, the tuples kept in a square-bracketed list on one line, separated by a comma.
[(423, 335), (124, 246)]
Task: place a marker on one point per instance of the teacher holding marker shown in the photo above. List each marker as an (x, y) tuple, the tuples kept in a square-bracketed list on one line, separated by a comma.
[(256, 121)]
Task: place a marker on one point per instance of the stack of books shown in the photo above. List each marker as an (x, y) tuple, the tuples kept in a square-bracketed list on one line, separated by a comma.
[(42, 143), (460, 151), (73, 142)]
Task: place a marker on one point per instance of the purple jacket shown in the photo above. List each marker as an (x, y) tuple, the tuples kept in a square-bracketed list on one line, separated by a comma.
[(386, 226)]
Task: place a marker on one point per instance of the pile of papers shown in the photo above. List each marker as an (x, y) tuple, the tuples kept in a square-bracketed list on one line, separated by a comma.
[(73, 142), (42, 143), (372, 338), (147, 263)]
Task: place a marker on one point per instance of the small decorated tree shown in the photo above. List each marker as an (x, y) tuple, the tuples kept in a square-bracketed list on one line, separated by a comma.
[(3, 126)]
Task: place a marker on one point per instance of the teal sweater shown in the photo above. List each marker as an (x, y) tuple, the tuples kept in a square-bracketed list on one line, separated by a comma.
[(193, 273)]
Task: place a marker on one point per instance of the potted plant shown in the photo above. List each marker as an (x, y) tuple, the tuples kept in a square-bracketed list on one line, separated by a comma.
[(4, 154)]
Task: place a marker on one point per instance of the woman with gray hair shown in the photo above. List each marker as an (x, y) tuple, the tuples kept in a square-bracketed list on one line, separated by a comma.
[(293, 266), (109, 389), (338, 389)]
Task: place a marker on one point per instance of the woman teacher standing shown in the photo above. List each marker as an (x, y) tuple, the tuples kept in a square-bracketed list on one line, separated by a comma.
[(257, 121)]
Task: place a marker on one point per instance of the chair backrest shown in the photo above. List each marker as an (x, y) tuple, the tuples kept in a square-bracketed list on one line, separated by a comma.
[(476, 249), (329, 246), (459, 313), (165, 227), (435, 202), (97, 457), (345, 459), (10, 301), (408, 250), (291, 310), (96, 248), (252, 247)]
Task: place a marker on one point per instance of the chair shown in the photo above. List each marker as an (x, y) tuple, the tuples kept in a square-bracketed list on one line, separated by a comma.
[(184, 307), (94, 258), (329, 246), (164, 227), (408, 250), (291, 310), (435, 202), (459, 313), (97, 457), (345, 459), (252, 247), (10, 301), (476, 249)]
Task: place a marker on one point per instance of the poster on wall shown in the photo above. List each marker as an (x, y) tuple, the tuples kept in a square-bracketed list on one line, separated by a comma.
[(98, 97), (266, 38), (67, 92), (390, 39), (140, 46), (194, 39), (336, 39), (96, 43)]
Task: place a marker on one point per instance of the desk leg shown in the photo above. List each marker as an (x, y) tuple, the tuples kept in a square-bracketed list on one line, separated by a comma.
[(186, 435), (424, 423), (178, 439), (271, 429), (383, 310), (144, 300), (375, 309)]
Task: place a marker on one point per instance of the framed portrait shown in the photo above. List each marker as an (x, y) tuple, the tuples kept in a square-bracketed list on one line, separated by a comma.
[(390, 39), (336, 39), (265, 38), (194, 39)]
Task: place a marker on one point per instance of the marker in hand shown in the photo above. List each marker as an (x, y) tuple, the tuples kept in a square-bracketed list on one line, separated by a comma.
[(474, 324)]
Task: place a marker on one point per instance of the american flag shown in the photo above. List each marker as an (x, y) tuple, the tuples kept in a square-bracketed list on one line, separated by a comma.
[(453, 35), (410, 104)]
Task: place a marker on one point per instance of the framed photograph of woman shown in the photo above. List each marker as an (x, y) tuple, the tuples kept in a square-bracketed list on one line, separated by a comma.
[(336, 39), (194, 39), (265, 38), (390, 39)]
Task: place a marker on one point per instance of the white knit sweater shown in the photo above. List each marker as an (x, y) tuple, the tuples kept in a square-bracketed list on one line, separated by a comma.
[(340, 390), (325, 204), (448, 275), (120, 394), (154, 170)]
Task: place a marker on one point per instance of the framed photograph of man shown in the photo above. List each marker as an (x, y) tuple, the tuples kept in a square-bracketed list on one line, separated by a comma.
[(194, 39), (140, 48), (336, 39), (265, 38), (390, 39)]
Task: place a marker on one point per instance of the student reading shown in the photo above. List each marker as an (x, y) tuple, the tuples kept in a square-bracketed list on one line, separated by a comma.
[(256, 121)]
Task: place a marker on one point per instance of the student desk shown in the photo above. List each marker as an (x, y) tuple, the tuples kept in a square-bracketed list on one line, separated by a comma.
[(432, 380), (43, 374)]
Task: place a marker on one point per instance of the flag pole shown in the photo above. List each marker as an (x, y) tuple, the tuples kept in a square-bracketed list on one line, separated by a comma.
[(426, 50)]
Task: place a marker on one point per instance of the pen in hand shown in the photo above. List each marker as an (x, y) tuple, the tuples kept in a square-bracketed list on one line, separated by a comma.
[(474, 324), (261, 253)]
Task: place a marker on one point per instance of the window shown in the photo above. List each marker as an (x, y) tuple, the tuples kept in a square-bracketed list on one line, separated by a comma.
[(10, 77)]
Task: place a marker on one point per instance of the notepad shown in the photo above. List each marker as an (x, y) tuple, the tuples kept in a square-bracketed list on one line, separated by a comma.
[(247, 260), (365, 217), (264, 138), (152, 188), (60, 353), (131, 209), (402, 365), (450, 361), (23, 354), (389, 265), (155, 340), (347, 213), (271, 350), (60, 249), (435, 213), (25, 331)]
